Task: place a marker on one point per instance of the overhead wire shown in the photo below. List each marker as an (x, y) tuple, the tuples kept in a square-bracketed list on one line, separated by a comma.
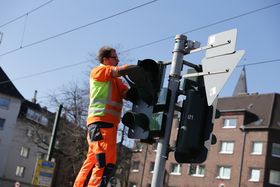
[(29, 12), (45, 72), (83, 62), (77, 28), (144, 45), (87, 61), (24, 29), (203, 27), (261, 62), (150, 43), (247, 64)]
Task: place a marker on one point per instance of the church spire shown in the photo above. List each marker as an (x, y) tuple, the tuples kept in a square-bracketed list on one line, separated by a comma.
[(241, 86)]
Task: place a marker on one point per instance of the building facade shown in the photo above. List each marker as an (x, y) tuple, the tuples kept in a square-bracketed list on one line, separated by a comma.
[(10, 102), (24, 135), (247, 152)]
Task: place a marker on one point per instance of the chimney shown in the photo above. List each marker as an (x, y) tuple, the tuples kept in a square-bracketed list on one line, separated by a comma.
[(34, 99)]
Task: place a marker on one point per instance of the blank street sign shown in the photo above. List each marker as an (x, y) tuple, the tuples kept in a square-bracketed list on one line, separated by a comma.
[(215, 82), (221, 43)]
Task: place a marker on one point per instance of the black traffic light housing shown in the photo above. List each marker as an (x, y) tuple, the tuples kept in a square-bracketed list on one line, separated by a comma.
[(145, 119), (196, 124)]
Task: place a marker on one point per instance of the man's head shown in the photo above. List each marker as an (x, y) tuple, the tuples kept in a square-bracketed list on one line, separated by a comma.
[(108, 56)]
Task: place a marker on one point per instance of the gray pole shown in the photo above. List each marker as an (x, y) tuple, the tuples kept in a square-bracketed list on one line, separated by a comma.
[(52, 140), (1, 37), (173, 86)]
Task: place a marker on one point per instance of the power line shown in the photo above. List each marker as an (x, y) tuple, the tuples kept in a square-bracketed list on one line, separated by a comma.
[(203, 27), (251, 64), (261, 62), (86, 61), (77, 28), (45, 72), (24, 29), (27, 13), (144, 45)]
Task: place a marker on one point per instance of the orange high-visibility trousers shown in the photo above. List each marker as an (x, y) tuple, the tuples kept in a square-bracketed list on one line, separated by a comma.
[(100, 161)]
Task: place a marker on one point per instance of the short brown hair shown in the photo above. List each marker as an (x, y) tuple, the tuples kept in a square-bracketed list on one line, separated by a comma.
[(104, 51)]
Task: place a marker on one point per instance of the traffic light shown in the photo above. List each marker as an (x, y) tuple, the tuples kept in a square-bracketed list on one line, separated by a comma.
[(196, 124), (146, 117)]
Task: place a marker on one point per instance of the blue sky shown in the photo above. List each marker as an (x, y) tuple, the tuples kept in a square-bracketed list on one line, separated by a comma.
[(62, 34)]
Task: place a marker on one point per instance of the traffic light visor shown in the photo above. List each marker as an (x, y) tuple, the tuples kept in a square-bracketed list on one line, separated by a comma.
[(132, 119)]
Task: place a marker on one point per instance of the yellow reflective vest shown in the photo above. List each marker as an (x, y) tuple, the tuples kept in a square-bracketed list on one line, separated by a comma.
[(106, 95)]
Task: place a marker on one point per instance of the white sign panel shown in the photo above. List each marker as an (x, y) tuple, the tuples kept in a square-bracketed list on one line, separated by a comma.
[(215, 82), (221, 43)]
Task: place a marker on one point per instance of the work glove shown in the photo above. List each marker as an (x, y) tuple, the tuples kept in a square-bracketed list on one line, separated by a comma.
[(94, 133), (132, 95)]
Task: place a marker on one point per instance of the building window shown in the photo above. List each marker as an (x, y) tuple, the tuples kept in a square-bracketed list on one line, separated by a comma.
[(2, 123), (45, 139), (226, 147), (274, 177), (230, 123), (24, 151), (135, 166), (57, 144), (276, 150), (37, 117), (257, 148), (41, 155), (173, 143), (152, 166), (4, 103), (20, 171), (132, 184), (138, 147), (224, 172), (154, 146), (175, 169), (29, 132), (196, 170), (255, 175)]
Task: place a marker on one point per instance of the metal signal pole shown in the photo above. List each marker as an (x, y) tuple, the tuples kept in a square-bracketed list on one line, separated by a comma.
[(220, 49), (173, 86)]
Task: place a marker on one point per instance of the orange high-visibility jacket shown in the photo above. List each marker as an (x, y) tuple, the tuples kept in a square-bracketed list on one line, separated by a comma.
[(106, 94)]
